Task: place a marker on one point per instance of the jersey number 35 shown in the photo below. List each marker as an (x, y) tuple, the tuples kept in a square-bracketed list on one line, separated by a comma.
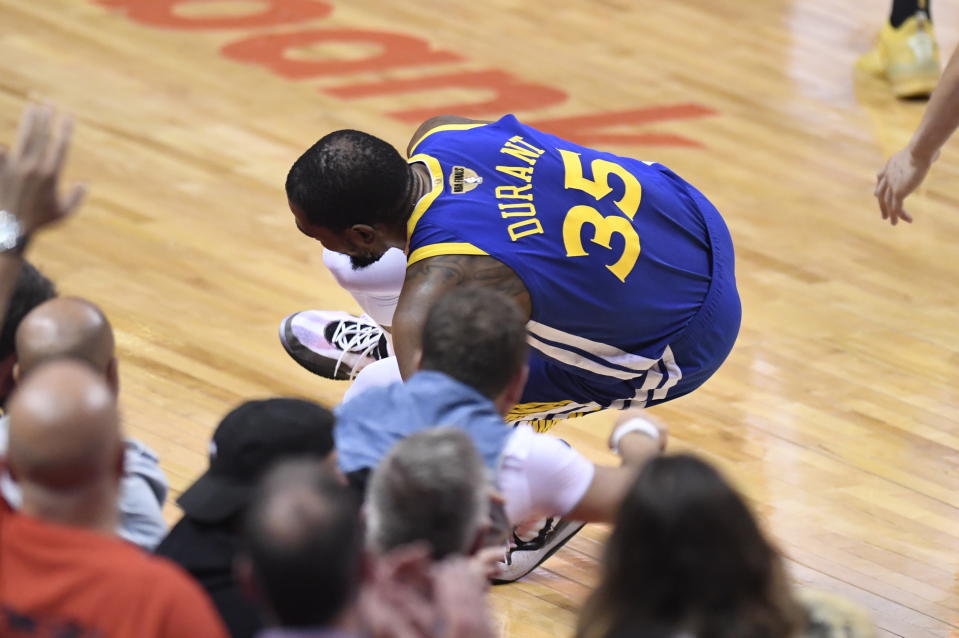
[(603, 227)]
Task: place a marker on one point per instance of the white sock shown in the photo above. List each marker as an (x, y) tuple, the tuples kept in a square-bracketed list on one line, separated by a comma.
[(377, 287)]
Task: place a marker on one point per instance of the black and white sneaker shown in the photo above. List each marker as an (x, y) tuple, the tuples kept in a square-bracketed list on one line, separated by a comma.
[(331, 343), (528, 554)]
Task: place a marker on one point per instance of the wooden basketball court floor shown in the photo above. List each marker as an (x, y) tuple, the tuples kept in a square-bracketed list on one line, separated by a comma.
[(838, 411)]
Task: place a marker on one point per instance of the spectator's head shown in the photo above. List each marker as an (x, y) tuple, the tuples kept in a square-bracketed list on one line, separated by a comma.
[(65, 447), (32, 289), (248, 441), (71, 328), (347, 190), (431, 488), (687, 555), (478, 337), (303, 552)]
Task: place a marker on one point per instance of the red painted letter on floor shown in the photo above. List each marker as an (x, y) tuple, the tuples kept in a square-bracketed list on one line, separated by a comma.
[(510, 93), (588, 129), (162, 13), (396, 50)]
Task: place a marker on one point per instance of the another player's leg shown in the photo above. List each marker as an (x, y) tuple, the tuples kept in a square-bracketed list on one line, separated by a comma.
[(377, 374), (906, 53), (336, 344)]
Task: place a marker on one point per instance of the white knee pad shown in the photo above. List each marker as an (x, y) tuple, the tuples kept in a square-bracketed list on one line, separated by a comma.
[(377, 287), (377, 374)]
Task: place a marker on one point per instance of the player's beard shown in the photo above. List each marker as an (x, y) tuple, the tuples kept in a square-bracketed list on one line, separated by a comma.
[(359, 263)]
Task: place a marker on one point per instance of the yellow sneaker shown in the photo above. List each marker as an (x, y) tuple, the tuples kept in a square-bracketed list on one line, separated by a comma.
[(908, 57)]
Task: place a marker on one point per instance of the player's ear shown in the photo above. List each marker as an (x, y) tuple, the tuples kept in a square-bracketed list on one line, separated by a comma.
[(363, 233)]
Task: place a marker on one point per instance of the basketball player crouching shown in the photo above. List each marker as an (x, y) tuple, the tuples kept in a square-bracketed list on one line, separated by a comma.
[(623, 270)]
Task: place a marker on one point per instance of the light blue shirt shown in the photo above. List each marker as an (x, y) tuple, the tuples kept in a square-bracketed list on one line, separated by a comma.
[(370, 424), (143, 490)]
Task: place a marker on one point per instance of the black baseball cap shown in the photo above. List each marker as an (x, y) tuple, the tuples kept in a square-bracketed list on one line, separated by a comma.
[(248, 441)]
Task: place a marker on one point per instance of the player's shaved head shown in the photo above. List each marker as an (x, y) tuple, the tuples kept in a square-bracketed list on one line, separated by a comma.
[(349, 177), (65, 446), (66, 327)]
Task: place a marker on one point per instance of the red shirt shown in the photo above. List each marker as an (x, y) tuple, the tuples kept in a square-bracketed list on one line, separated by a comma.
[(66, 581)]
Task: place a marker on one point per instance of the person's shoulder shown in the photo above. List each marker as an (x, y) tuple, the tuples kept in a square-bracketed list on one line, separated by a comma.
[(440, 388), (182, 606), (529, 446), (440, 123), (122, 566), (370, 401), (189, 541)]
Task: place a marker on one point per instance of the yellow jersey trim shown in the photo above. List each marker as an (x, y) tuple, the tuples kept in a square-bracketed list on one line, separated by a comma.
[(436, 174), (445, 127), (444, 248)]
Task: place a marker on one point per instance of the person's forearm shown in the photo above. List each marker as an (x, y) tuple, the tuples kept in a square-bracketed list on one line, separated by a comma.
[(637, 448), (9, 272), (941, 118)]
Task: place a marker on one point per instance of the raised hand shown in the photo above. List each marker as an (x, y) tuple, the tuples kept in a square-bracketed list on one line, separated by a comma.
[(30, 173)]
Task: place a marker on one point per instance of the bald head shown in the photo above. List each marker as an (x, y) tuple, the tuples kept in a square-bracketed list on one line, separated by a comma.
[(65, 327), (303, 543), (65, 441)]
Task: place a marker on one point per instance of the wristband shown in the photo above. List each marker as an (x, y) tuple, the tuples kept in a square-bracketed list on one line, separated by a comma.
[(637, 424)]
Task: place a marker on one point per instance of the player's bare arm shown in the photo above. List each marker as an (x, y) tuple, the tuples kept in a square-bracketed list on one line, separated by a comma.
[(30, 177), (427, 280), (906, 169)]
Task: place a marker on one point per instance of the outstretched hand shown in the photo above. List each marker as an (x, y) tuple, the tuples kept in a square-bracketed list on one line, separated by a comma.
[(30, 173), (459, 593), (409, 596), (901, 175)]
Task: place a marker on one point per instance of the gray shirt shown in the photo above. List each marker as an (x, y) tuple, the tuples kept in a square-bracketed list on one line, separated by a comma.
[(143, 490)]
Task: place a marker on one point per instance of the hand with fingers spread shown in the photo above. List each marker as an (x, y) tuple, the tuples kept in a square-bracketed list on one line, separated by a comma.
[(459, 595), (30, 172), (408, 596), (29, 179), (901, 175), (394, 600)]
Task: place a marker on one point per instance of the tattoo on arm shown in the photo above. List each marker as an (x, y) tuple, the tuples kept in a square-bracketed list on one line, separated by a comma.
[(427, 280), (447, 271)]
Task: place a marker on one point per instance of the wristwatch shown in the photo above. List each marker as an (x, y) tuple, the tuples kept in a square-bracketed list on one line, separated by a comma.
[(11, 239)]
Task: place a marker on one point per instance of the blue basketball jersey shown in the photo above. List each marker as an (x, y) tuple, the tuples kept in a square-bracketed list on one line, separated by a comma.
[(614, 252)]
